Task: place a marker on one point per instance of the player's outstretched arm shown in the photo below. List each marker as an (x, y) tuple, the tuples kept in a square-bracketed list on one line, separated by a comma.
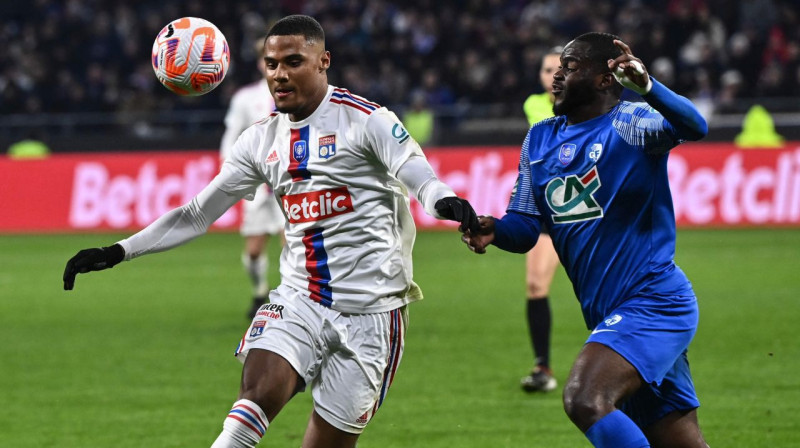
[(436, 197), (677, 110), (88, 260), (176, 227)]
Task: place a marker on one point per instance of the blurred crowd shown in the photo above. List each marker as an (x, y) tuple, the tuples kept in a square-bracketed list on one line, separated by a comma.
[(64, 56)]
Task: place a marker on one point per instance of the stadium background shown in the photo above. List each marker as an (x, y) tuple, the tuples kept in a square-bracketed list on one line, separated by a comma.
[(139, 356)]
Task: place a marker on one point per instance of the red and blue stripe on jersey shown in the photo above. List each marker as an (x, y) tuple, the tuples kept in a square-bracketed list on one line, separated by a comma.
[(299, 153), (317, 266), (344, 97)]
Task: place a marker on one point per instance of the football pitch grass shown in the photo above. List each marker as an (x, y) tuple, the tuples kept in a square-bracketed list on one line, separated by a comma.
[(141, 355)]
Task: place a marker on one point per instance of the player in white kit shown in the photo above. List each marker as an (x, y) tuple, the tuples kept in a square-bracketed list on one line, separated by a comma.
[(341, 167), (262, 217)]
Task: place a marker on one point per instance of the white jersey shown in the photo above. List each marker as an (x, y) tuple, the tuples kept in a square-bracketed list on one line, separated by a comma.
[(249, 104), (349, 232)]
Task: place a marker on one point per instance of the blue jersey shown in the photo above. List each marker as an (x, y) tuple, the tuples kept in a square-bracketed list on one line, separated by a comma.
[(601, 188)]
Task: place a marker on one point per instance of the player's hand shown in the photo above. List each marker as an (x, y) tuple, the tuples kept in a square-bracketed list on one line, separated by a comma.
[(457, 209), (478, 241), (629, 70), (95, 259)]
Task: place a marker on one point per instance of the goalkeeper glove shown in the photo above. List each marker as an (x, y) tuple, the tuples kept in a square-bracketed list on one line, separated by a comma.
[(459, 210), (95, 259)]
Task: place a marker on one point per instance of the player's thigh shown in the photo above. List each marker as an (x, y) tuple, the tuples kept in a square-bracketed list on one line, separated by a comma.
[(284, 341), (600, 378), (653, 334), (269, 380), (254, 244), (355, 378), (678, 429), (321, 434), (541, 263)]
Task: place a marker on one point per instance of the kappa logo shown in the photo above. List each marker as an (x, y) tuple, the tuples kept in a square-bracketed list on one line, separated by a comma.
[(272, 157), (327, 146), (571, 198)]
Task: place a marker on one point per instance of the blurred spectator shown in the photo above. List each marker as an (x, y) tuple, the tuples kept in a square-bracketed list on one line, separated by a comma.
[(758, 130), (94, 55), (418, 119), (32, 147)]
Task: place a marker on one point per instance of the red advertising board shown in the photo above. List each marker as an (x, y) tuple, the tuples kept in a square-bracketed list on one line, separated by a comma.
[(712, 185)]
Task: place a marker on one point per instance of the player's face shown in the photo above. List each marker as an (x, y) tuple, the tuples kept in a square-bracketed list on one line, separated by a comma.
[(550, 64), (296, 72), (574, 82)]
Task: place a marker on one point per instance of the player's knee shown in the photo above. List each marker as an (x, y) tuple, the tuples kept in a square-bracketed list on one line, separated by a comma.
[(253, 253), (537, 289), (584, 407)]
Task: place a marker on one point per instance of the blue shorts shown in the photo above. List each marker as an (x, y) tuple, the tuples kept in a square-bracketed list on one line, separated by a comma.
[(653, 334)]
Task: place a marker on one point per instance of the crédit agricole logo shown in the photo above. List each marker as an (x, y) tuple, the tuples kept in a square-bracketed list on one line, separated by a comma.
[(571, 198)]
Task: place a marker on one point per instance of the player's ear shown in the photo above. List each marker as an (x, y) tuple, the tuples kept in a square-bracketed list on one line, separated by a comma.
[(605, 81), (325, 61)]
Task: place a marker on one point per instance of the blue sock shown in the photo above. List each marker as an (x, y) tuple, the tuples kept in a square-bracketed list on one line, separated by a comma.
[(616, 430)]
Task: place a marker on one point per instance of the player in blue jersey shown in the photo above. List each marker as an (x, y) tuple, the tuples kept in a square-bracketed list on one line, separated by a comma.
[(596, 176)]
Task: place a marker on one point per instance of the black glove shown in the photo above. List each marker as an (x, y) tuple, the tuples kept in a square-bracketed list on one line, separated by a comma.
[(95, 259), (457, 209)]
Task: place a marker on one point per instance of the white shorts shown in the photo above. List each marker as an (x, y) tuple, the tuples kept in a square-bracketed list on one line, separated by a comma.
[(262, 215), (348, 360)]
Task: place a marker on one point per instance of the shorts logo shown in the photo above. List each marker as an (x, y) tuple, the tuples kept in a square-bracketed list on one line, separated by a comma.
[(613, 320), (567, 153), (571, 198), (363, 419), (317, 205), (270, 311), (257, 328), (327, 146), (595, 152), (300, 150)]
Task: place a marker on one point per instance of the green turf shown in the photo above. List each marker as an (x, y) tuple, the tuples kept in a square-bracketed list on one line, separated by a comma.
[(141, 355)]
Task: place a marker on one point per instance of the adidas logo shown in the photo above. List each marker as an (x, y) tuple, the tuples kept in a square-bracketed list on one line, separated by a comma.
[(363, 419), (272, 157)]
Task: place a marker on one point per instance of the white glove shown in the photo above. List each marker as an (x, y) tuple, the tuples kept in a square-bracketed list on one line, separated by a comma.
[(622, 78)]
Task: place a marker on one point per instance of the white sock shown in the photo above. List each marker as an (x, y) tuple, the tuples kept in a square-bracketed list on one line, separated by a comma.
[(244, 427), (257, 270)]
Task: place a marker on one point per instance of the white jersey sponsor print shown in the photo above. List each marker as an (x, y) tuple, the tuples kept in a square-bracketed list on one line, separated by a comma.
[(349, 230)]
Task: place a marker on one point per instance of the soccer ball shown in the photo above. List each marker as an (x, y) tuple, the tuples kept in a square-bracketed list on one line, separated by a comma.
[(190, 56)]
